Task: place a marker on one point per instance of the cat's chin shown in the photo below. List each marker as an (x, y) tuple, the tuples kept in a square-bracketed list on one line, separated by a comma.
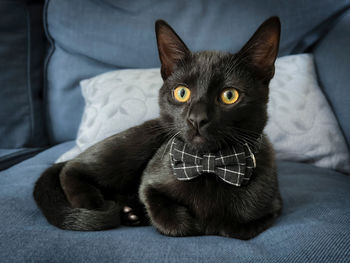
[(200, 143)]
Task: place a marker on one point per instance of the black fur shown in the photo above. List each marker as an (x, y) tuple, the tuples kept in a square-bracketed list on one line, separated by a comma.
[(89, 192), (127, 178)]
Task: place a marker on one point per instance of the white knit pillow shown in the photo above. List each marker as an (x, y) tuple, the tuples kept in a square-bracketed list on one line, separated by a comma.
[(301, 125)]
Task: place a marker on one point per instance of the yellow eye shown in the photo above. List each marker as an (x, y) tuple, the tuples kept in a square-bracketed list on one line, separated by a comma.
[(229, 96), (182, 94)]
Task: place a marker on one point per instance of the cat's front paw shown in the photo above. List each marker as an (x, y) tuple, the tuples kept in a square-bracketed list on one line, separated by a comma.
[(174, 221), (169, 217)]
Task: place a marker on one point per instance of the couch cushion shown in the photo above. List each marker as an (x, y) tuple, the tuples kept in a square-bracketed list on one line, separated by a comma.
[(21, 68), (332, 57), (89, 37), (314, 226)]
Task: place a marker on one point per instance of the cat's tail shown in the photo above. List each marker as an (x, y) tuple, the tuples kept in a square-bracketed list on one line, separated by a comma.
[(53, 203)]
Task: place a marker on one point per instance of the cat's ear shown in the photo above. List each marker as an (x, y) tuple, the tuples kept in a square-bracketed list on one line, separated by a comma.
[(171, 48), (261, 50)]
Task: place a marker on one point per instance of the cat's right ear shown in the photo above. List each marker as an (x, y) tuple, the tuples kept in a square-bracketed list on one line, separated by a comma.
[(171, 48), (261, 50)]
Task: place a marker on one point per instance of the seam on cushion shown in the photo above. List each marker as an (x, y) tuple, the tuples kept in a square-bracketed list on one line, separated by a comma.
[(29, 86), (46, 63), (19, 152), (315, 35), (11, 159)]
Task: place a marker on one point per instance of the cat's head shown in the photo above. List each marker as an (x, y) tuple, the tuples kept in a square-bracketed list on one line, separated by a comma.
[(211, 99)]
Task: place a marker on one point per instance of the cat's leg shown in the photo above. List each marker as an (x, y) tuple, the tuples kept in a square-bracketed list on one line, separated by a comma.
[(79, 191), (113, 166), (253, 228), (169, 217), (82, 194)]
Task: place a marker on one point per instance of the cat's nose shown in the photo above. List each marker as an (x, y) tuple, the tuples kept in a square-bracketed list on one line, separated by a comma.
[(198, 117), (198, 120)]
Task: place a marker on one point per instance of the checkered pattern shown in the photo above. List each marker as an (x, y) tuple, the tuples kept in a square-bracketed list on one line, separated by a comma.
[(234, 166)]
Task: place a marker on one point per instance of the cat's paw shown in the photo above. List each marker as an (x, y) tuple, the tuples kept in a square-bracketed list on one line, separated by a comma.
[(169, 217), (129, 217), (133, 216), (175, 221)]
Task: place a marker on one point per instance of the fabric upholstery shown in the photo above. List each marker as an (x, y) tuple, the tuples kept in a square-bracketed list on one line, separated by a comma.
[(314, 226), (21, 72), (90, 37), (333, 64)]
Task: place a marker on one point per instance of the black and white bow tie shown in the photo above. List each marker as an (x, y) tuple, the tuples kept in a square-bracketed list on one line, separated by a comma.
[(233, 165)]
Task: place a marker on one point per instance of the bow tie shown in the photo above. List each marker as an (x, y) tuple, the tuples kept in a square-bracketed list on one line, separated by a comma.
[(234, 165)]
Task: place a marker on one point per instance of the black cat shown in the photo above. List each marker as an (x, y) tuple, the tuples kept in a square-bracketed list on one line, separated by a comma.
[(203, 168)]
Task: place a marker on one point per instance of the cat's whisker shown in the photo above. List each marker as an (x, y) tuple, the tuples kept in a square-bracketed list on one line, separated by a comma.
[(239, 137), (246, 135), (160, 128), (246, 140), (230, 137), (245, 130), (166, 146), (249, 136), (252, 142)]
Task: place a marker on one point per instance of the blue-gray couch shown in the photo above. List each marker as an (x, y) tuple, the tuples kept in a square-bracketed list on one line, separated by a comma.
[(45, 50)]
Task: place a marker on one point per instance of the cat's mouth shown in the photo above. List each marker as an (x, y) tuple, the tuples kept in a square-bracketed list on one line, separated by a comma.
[(197, 140), (196, 137)]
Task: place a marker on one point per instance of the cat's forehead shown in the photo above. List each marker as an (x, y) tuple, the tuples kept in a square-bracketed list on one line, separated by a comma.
[(207, 70), (209, 60), (211, 67)]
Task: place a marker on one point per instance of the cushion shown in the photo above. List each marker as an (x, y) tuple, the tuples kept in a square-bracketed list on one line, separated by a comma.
[(332, 56), (313, 227), (90, 37), (301, 125), (21, 65)]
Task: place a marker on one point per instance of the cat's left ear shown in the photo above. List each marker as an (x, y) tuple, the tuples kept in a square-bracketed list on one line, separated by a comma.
[(171, 48), (261, 50)]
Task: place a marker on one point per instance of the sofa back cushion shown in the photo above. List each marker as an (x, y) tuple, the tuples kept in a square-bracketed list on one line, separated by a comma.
[(22, 43), (89, 37), (332, 57)]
